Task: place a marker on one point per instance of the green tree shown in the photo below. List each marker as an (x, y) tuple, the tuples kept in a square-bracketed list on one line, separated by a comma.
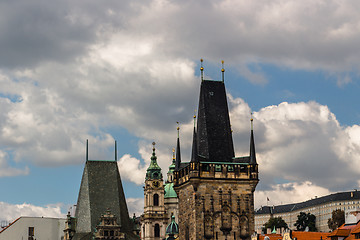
[(337, 219), (276, 222), (305, 220)]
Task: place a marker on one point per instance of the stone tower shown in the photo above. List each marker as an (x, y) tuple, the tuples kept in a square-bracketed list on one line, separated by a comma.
[(154, 219), (215, 189)]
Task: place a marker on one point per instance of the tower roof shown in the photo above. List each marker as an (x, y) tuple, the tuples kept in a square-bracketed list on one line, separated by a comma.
[(101, 178), (178, 154), (154, 170), (169, 191), (214, 138), (252, 146), (173, 227)]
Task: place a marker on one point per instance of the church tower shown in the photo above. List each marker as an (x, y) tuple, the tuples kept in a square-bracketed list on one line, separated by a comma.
[(170, 197), (215, 189), (154, 219)]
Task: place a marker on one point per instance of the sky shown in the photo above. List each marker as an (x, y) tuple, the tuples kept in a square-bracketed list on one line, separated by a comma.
[(129, 70)]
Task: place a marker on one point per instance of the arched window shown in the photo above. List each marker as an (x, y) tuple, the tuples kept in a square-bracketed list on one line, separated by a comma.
[(157, 230), (156, 199)]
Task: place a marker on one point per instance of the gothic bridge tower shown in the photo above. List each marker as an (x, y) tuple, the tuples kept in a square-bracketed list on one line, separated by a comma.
[(215, 189)]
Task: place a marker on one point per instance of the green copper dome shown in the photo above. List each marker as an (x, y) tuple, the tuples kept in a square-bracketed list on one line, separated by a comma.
[(153, 171), (173, 227), (169, 191)]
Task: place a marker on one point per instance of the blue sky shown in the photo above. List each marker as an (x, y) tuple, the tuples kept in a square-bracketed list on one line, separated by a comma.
[(129, 71)]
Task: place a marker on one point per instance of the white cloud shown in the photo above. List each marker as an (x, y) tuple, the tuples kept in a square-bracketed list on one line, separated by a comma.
[(10, 212), (8, 171), (135, 205), (289, 193)]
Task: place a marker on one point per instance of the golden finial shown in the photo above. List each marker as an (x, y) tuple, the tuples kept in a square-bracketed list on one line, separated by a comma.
[(153, 143), (222, 70), (173, 152), (202, 69), (194, 117), (178, 129), (251, 120)]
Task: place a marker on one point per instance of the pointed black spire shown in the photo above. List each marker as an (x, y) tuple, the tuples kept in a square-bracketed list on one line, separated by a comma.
[(214, 138), (178, 154), (194, 152), (252, 145)]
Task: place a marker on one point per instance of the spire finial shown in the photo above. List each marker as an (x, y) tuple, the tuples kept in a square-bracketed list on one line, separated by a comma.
[(178, 129), (194, 118), (202, 69), (153, 143), (173, 152), (222, 70), (251, 120)]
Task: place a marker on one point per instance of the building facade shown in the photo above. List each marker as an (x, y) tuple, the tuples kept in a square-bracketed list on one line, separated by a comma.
[(32, 228), (321, 207), (215, 189)]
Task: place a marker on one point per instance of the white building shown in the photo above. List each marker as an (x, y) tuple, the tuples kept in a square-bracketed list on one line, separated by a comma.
[(34, 228), (321, 207)]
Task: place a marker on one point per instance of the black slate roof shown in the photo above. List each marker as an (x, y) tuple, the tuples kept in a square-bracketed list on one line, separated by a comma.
[(342, 196), (101, 189), (214, 136)]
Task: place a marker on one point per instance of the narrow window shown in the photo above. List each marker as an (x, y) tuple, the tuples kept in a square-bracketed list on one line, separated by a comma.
[(31, 232), (187, 233), (157, 230), (156, 199)]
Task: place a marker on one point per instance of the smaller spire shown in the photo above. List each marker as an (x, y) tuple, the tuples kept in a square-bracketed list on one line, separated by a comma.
[(202, 69), (178, 154), (223, 70), (252, 145), (194, 153)]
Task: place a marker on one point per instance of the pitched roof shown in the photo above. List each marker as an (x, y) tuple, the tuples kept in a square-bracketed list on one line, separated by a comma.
[(214, 136), (271, 236), (101, 189), (308, 235), (356, 229)]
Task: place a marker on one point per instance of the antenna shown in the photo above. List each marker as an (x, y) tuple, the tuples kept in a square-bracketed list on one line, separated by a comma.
[(87, 149), (115, 151)]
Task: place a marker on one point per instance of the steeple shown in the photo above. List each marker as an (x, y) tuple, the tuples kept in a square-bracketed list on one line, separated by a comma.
[(194, 153), (214, 136), (252, 145), (178, 154), (153, 171)]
